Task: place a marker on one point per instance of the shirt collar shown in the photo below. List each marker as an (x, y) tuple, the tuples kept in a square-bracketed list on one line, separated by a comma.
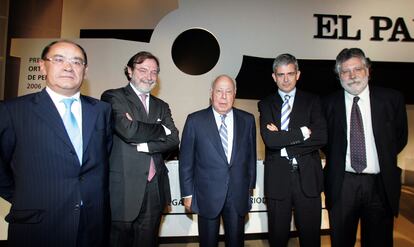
[(217, 115), (291, 93), (364, 95), (56, 98)]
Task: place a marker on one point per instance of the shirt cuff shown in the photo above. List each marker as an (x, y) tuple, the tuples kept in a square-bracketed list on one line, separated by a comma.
[(167, 130), (143, 147), (305, 132)]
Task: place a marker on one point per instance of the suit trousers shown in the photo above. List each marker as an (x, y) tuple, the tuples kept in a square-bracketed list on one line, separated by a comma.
[(208, 229), (362, 199), (82, 239), (307, 216), (143, 231)]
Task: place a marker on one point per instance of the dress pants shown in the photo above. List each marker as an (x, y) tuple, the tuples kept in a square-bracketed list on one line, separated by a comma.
[(208, 229), (362, 199), (307, 215), (82, 239), (143, 231)]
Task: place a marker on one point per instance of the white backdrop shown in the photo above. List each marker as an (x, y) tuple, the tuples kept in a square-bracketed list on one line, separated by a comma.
[(176, 223)]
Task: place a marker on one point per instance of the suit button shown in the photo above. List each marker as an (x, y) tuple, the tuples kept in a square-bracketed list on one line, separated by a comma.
[(77, 206), (81, 178)]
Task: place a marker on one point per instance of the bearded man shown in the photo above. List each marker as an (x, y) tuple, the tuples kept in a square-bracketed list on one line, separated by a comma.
[(367, 128)]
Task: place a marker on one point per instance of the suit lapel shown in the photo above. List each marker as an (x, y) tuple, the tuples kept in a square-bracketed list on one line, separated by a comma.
[(211, 126), (341, 120), (89, 116), (154, 109), (297, 108), (45, 109), (276, 109), (376, 110), (238, 129), (135, 102)]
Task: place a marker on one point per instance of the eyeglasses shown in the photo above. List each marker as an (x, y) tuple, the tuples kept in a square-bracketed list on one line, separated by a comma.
[(146, 71), (60, 60), (349, 72), (290, 75)]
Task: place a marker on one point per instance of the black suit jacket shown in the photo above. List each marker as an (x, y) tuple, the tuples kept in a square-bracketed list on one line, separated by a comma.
[(389, 123), (128, 167), (307, 112), (40, 174), (204, 170)]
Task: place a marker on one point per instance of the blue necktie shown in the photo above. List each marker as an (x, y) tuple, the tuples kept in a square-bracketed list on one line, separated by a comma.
[(284, 121), (72, 128), (223, 133)]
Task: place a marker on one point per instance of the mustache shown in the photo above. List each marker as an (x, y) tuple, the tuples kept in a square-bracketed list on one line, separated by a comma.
[(150, 82)]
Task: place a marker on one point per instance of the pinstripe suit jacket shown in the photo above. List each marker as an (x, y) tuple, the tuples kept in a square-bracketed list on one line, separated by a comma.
[(40, 174)]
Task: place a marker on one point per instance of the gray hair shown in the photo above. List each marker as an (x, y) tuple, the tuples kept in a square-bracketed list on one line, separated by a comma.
[(347, 54), (285, 59)]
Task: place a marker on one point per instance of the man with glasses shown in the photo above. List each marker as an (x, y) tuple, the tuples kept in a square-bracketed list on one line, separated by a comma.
[(293, 129), (144, 132), (367, 128), (54, 150)]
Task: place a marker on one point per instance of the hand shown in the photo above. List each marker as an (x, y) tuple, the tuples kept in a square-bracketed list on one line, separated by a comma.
[(128, 116), (187, 203), (272, 127)]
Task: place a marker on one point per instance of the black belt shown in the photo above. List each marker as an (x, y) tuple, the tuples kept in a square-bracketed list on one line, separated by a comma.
[(362, 174)]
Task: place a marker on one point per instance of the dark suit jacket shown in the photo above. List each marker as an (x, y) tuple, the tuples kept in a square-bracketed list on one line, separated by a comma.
[(204, 171), (40, 174), (307, 112), (128, 167), (389, 123)]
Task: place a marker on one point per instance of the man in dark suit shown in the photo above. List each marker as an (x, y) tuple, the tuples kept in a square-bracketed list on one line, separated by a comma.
[(218, 165), (55, 174), (367, 128), (293, 129), (144, 131)]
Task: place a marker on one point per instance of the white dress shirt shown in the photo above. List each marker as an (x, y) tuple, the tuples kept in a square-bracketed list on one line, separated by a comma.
[(364, 104)]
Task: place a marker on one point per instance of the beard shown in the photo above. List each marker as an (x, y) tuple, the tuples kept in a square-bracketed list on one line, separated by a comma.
[(145, 86), (355, 86)]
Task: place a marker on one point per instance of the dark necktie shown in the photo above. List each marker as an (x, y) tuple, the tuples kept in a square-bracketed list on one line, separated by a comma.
[(151, 172), (357, 139)]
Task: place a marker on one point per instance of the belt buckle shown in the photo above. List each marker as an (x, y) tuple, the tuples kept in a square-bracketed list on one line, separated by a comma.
[(294, 167)]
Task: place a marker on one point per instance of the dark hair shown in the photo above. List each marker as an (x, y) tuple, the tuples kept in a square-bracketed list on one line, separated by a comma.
[(285, 59), (139, 58), (349, 53), (47, 48)]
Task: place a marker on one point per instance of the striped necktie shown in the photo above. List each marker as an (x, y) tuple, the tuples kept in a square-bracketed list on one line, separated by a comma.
[(223, 133), (284, 121), (72, 128)]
